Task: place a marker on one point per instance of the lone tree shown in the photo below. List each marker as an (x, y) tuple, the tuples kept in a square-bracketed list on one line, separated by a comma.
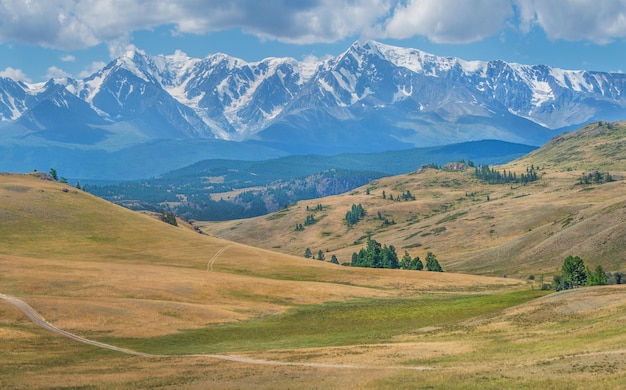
[(432, 264), (307, 253), (54, 174), (574, 272)]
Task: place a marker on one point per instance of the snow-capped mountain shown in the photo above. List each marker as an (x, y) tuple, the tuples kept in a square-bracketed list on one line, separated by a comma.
[(371, 97)]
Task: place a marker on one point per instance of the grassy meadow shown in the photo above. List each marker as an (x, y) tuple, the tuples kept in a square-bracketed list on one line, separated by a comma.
[(220, 314)]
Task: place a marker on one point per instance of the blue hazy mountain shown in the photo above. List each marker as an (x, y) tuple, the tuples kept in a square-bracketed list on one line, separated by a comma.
[(371, 98)]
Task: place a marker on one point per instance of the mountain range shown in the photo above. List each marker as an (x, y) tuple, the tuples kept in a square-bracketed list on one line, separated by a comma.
[(373, 97)]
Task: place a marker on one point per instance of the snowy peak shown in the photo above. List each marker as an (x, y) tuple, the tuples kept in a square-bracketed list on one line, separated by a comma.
[(404, 95), (14, 98)]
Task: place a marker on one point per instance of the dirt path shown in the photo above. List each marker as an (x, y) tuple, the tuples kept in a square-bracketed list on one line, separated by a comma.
[(209, 266), (39, 320)]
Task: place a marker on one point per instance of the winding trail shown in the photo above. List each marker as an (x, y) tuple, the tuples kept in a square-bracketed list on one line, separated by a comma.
[(209, 266), (39, 320)]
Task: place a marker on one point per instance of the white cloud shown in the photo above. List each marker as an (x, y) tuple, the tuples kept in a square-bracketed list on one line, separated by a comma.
[(56, 73), (576, 20), (68, 58), (91, 69), (448, 21), (15, 74), (301, 22), (51, 23), (78, 24)]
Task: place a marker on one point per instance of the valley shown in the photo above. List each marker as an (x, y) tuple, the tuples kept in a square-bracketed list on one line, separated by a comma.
[(509, 229), (239, 306), (226, 189)]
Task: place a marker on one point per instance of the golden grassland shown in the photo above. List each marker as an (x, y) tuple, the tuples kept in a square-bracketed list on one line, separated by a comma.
[(508, 229), (130, 280)]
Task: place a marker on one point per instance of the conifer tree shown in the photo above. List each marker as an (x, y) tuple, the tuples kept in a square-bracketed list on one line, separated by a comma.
[(432, 264)]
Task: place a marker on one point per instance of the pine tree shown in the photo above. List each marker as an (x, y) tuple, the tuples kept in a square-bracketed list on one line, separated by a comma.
[(432, 264), (405, 263), (53, 173)]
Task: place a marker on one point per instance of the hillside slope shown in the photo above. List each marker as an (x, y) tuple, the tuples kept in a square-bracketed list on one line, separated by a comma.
[(62, 248), (217, 314), (491, 229)]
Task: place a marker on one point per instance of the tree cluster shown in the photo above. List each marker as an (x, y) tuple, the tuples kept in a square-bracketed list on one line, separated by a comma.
[(310, 220), (376, 255), (318, 207), (320, 256), (169, 217), (355, 214), (576, 274), (385, 220), (55, 176), (595, 177), (406, 196), (492, 176), (411, 263)]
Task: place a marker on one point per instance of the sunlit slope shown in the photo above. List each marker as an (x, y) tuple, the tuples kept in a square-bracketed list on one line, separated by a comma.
[(570, 339), (597, 146), (183, 292), (42, 218), (91, 265), (492, 229)]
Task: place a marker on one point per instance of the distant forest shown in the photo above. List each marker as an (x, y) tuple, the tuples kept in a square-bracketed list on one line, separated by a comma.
[(191, 198), (492, 176), (253, 188)]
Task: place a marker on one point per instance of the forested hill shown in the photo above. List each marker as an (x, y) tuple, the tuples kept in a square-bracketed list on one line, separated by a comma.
[(231, 189), (392, 162)]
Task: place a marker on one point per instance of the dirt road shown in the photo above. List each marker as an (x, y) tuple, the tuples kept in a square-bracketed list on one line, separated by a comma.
[(209, 266), (39, 320)]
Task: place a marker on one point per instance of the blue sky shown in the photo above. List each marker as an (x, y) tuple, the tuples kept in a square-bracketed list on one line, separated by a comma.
[(40, 39)]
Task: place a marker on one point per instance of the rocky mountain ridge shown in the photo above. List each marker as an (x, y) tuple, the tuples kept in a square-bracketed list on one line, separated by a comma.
[(372, 97)]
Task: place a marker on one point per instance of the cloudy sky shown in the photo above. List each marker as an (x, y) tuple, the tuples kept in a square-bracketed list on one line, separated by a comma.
[(40, 39)]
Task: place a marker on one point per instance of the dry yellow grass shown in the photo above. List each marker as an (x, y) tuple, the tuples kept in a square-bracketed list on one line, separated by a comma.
[(573, 339), (521, 230), (101, 271), (90, 266)]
